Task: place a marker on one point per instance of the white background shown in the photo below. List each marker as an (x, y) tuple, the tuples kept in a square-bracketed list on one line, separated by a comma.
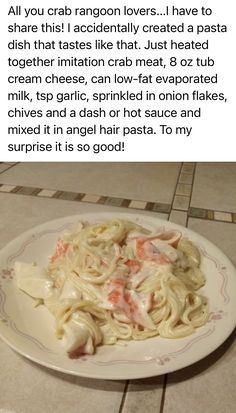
[(212, 138)]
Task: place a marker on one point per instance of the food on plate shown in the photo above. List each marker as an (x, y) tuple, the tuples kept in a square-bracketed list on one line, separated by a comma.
[(115, 281)]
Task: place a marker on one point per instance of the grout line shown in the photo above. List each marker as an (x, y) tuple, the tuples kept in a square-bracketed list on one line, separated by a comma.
[(7, 169), (124, 396), (176, 185), (191, 194), (163, 396)]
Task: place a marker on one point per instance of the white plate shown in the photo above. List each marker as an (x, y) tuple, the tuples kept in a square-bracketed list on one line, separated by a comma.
[(30, 331)]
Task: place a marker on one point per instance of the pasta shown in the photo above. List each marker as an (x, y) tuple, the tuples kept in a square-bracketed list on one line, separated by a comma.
[(116, 281)]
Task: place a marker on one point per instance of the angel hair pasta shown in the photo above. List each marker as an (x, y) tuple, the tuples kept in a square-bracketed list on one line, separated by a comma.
[(115, 281)]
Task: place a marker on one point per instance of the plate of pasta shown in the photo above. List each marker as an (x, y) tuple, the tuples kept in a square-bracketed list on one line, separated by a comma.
[(115, 296)]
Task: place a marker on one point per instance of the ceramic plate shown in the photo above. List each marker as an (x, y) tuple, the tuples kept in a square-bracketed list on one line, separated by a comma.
[(30, 331)]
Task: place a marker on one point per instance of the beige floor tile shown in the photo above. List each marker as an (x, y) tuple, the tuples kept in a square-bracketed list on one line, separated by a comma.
[(222, 216), (221, 234), (47, 193), (208, 386), (179, 217), (144, 395), (188, 167), (183, 189), (29, 388), (90, 198), (215, 186), (185, 178), (137, 204), (20, 213), (6, 188), (139, 181), (4, 167), (181, 202)]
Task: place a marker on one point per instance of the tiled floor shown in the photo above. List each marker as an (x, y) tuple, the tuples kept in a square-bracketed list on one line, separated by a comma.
[(201, 196), (142, 393), (204, 385), (160, 188), (28, 388), (142, 181), (39, 210), (215, 185)]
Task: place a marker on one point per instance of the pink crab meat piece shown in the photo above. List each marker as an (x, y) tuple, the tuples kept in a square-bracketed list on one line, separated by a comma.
[(61, 248)]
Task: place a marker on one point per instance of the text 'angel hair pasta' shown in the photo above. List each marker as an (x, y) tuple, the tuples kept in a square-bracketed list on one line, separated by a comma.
[(116, 281)]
